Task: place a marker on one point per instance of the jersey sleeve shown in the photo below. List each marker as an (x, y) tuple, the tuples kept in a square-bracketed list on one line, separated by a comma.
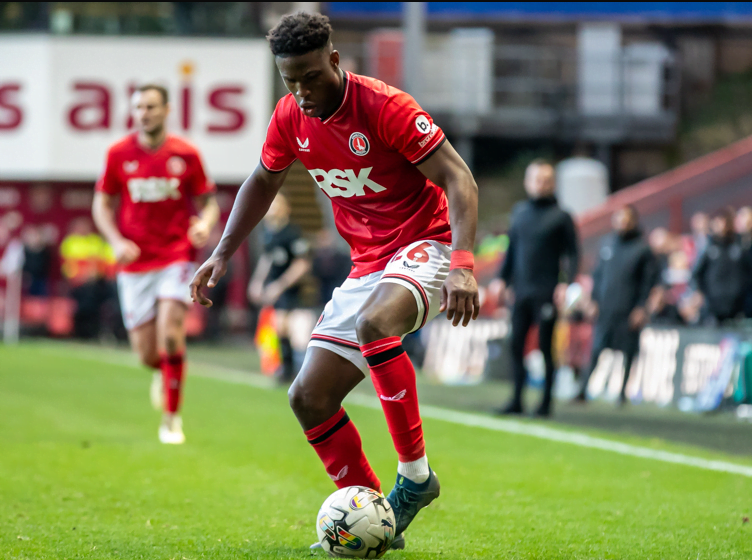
[(109, 181), (200, 184), (406, 127), (276, 154)]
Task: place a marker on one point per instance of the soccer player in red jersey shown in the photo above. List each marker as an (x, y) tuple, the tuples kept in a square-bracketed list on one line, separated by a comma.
[(156, 179), (394, 182)]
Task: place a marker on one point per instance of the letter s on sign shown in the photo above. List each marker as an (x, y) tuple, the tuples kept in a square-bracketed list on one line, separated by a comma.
[(219, 99), (11, 115)]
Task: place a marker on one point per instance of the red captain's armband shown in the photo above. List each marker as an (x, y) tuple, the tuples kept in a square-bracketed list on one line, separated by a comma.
[(462, 259)]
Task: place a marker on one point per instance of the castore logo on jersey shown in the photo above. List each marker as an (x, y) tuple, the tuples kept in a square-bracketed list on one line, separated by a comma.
[(303, 145), (338, 182)]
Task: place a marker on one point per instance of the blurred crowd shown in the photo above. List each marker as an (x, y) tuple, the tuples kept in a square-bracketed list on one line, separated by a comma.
[(705, 276), (69, 286), (702, 278)]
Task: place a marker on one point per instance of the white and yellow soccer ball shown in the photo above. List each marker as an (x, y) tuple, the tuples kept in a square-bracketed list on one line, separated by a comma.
[(356, 522)]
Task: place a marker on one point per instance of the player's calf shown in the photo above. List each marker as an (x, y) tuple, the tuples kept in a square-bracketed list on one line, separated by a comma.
[(393, 377), (316, 399)]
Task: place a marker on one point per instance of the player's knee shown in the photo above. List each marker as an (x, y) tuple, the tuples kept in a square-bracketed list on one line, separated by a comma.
[(173, 342), (371, 327), (310, 407), (149, 359)]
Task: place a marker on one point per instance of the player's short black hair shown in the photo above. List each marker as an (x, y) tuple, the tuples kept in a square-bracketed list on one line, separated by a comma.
[(299, 33), (156, 87)]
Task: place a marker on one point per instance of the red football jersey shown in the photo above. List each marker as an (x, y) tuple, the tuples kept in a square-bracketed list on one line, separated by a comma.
[(364, 158), (155, 188)]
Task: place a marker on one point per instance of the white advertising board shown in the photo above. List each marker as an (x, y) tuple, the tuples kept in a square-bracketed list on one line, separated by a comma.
[(64, 100)]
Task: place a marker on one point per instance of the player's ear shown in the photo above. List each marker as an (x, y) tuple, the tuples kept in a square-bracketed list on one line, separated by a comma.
[(168, 108), (334, 59)]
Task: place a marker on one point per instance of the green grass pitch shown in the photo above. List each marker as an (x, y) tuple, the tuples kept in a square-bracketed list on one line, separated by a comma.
[(82, 475)]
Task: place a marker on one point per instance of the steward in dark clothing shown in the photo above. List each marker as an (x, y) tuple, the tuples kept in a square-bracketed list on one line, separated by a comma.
[(625, 274), (723, 276), (542, 234), (540, 237), (282, 247), (278, 272)]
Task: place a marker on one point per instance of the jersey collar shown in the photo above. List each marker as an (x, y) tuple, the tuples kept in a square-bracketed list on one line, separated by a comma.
[(344, 99), (146, 149)]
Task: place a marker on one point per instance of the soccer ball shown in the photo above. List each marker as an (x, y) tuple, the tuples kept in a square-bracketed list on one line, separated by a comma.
[(356, 522)]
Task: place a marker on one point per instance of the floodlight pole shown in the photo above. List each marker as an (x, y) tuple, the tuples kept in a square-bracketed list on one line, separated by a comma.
[(414, 33)]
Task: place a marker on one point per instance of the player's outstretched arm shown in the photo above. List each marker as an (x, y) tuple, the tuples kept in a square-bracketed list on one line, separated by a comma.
[(445, 168), (253, 200), (103, 212)]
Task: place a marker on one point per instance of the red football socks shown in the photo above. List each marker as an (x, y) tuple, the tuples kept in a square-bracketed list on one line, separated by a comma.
[(173, 368), (338, 445), (393, 377)]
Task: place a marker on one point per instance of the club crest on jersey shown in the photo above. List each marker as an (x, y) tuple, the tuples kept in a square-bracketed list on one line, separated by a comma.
[(130, 166), (176, 165), (359, 144)]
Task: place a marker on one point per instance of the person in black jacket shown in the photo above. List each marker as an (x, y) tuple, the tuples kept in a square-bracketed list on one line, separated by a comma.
[(541, 236), (280, 269), (724, 270), (624, 276)]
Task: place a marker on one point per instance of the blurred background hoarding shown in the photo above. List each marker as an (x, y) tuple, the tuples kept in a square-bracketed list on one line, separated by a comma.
[(64, 100)]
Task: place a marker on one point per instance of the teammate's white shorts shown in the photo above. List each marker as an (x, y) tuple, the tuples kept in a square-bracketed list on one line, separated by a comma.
[(140, 291), (421, 267)]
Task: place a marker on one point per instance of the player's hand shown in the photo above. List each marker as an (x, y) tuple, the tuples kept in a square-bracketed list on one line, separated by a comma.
[(126, 251), (198, 232), (207, 275), (459, 296), (272, 293)]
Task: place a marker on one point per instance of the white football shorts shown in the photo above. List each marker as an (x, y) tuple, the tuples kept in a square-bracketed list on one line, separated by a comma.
[(140, 291), (421, 267)]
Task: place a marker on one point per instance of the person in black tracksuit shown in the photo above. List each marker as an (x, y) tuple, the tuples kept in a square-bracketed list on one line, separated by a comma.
[(541, 237), (623, 278), (723, 271), (275, 281)]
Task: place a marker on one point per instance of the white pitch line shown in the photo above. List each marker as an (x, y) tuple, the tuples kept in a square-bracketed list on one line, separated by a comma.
[(579, 439), (561, 436)]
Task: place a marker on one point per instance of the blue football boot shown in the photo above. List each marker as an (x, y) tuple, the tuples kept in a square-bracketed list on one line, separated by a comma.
[(407, 498)]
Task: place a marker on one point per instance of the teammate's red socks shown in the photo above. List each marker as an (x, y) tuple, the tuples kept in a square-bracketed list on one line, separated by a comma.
[(173, 368), (393, 377), (338, 445)]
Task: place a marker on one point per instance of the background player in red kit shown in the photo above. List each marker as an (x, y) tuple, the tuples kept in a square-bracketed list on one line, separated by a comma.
[(156, 179), (388, 171)]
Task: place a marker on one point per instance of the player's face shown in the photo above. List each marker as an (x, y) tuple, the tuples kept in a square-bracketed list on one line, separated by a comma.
[(149, 111), (314, 79), (539, 180)]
